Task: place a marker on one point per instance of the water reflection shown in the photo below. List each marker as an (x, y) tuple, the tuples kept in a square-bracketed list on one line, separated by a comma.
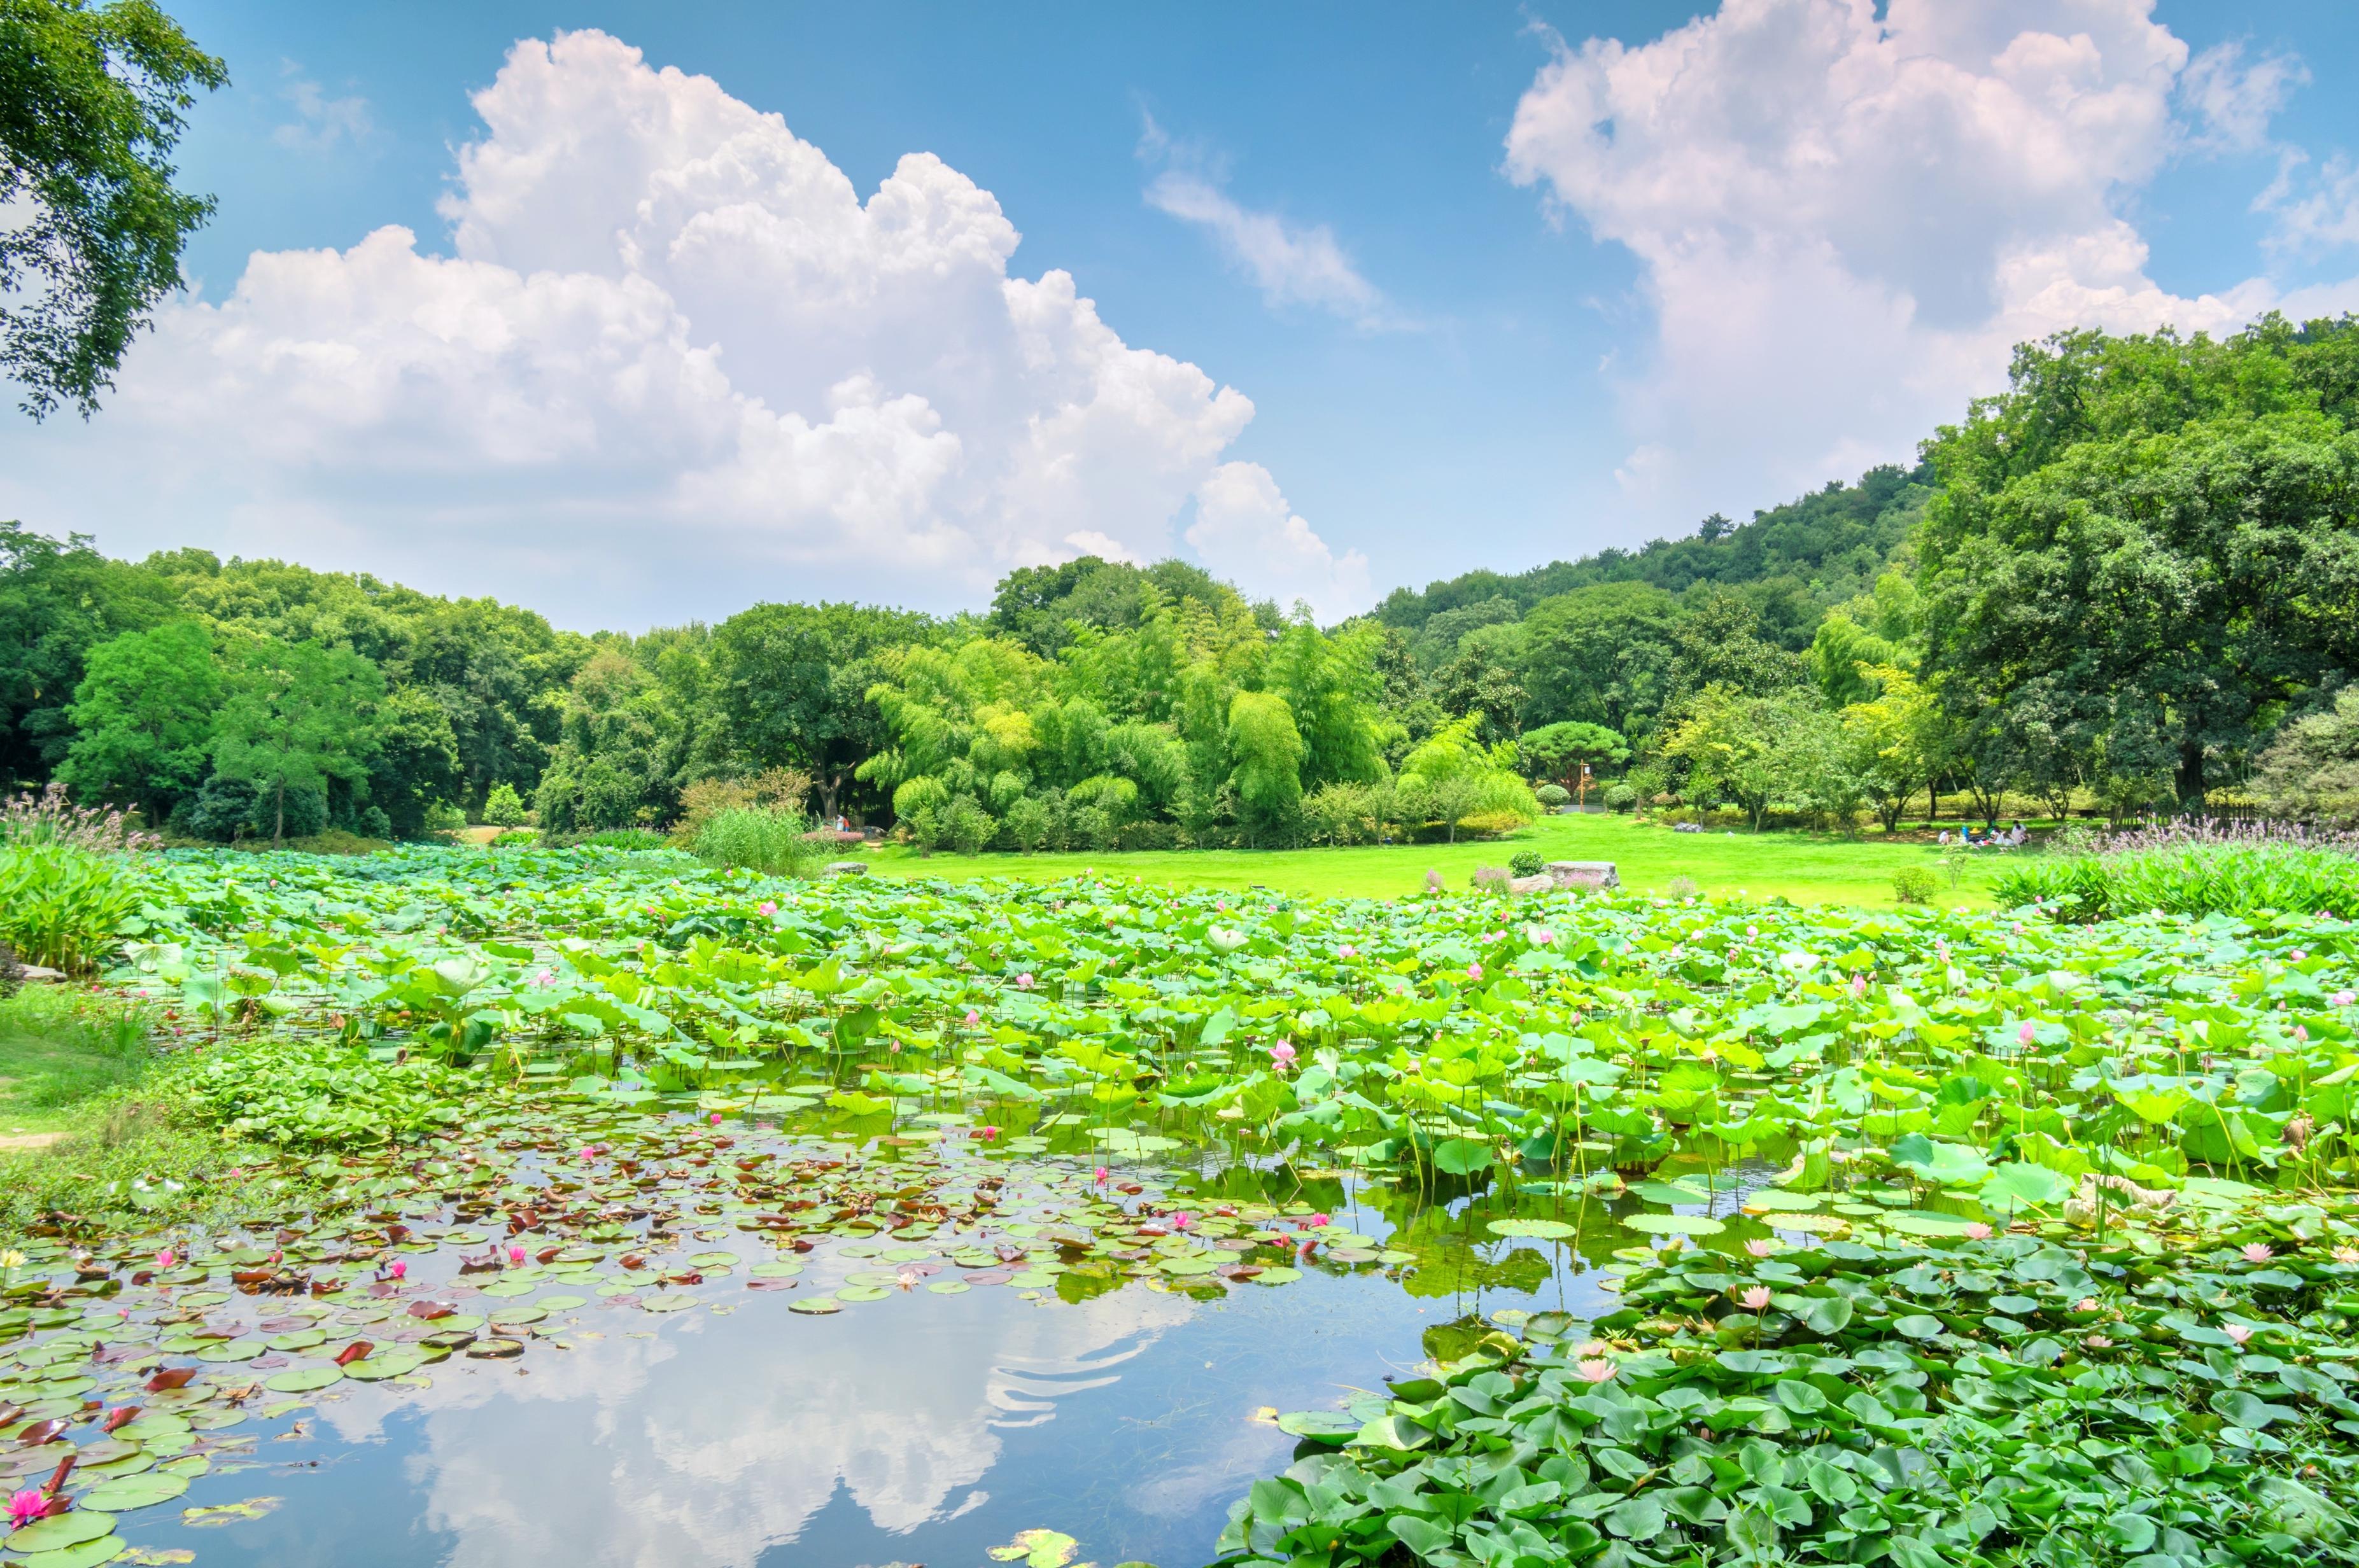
[(919, 1429)]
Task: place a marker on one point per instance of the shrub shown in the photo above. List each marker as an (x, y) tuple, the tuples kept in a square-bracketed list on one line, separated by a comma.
[(1527, 863), (1552, 796), (617, 838), (225, 810), (440, 817), (1619, 797), (1490, 879), (1027, 824), (516, 838), (60, 905), (504, 807), (759, 838), (1341, 814), (966, 825), (1914, 884), (2313, 765), (1682, 887), (1151, 836), (784, 788)]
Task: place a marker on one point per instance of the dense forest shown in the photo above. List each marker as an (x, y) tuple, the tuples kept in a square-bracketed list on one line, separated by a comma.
[(2130, 580)]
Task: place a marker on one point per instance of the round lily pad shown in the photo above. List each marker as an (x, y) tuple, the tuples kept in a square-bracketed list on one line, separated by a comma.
[(776, 1271), (862, 1293), (561, 1304), (377, 1366), (948, 1287), (304, 1380), (489, 1348), (669, 1300), (714, 1261), (1278, 1276), (88, 1554), (1777, 1199), (127, 1492), (61, 1529), (1547, 1229), (513, 1316), (816, 1305), (1674, 1224)]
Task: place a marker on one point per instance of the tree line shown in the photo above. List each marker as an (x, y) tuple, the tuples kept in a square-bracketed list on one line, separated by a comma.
[(2129, 581)]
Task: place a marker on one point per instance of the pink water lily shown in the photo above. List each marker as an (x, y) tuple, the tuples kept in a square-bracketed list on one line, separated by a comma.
[(2236, 1331), (1978, 1231), (1754, 1299), (2347, 1255), (167, 1257), (1314, 1222), (515, 1254), (2297, 955), (1182, 1220), (1595, 1370), (988, 1133), (396, 1269), (1103, 1175), (2258, 1252), (1761, 1246), (2086, 1304), (767, 907), (25, 1507), (715, 1119)]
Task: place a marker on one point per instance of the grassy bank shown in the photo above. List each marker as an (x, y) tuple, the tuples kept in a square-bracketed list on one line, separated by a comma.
[(1806, 868)]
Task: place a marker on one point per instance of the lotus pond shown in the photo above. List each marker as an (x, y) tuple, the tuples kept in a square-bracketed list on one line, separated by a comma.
[(622, 1210)]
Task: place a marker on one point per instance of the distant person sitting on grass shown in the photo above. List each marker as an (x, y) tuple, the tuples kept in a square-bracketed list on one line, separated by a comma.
[(2016, 836), (1944, 840)]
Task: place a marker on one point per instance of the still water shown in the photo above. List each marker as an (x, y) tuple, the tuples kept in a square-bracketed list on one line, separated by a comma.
[(919, 1429)]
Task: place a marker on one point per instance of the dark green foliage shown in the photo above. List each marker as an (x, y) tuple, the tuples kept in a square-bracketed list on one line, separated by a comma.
[(143, 719), (91, 99)]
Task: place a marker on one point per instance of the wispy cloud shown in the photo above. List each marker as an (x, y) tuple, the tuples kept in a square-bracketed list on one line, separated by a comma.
[(321, 122), (2232, 101), (1291, 263)]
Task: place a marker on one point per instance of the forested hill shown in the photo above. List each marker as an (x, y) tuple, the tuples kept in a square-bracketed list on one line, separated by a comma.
[(1826, 548)]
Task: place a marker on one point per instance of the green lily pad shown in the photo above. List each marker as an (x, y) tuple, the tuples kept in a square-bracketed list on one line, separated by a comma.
[(128, 1492), (1545, 1229), (816, 1306), (862, 1293), (60, 1531), (1675, 1224), (303, 1380), (669, 1300), (394, 1362)]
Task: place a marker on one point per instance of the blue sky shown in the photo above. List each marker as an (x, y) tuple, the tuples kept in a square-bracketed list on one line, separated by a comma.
[(1501, 283)]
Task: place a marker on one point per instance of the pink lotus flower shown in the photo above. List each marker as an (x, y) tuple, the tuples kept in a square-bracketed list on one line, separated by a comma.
[(1761, 1247), (515, 1254), (1102, 1174), (2297, 955), (2025, 1035), (2343, 999), (2302, 1034), (1024, 980), (2347, 1255), (1978, 1231), (396, 1269), (2098, 1342), (1858, 987), (2236, 1331), (1281, 1055), (2258, 1252), (1754, 1299), (1595, 1370), (1347, 951), (546, 978), (585, 1155), (1543, 936), (25, 1507), (972, 1017), (767, 907), (2086, 1304), (1473, 971), (167, 1257)]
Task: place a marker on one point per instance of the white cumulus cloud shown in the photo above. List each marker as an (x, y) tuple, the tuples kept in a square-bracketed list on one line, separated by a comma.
[(672, 363), (1843, 220)]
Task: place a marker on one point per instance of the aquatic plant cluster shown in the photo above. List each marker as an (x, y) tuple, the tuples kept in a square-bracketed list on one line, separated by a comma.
[(1939, 1236)]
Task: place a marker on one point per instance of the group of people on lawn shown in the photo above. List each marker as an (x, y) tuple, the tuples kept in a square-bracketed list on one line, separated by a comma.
[(1992, 838)]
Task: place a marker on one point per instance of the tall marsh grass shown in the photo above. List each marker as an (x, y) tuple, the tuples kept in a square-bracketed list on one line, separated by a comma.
[(765, 838), (2194, 867)]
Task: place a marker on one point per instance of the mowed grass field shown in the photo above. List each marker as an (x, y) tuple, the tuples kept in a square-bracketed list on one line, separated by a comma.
[(1805, 868)]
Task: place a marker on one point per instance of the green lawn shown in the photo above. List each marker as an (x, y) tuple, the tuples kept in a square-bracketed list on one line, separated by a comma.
[(1806, 868)]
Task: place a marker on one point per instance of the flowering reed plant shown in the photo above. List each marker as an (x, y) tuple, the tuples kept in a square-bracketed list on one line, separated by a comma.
[(2196, 866)]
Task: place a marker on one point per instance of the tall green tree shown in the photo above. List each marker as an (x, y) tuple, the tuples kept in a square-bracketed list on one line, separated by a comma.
[(2143, 552), (90, 100), (142, 718), (792, 681), (298, 716), (58, 600)]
